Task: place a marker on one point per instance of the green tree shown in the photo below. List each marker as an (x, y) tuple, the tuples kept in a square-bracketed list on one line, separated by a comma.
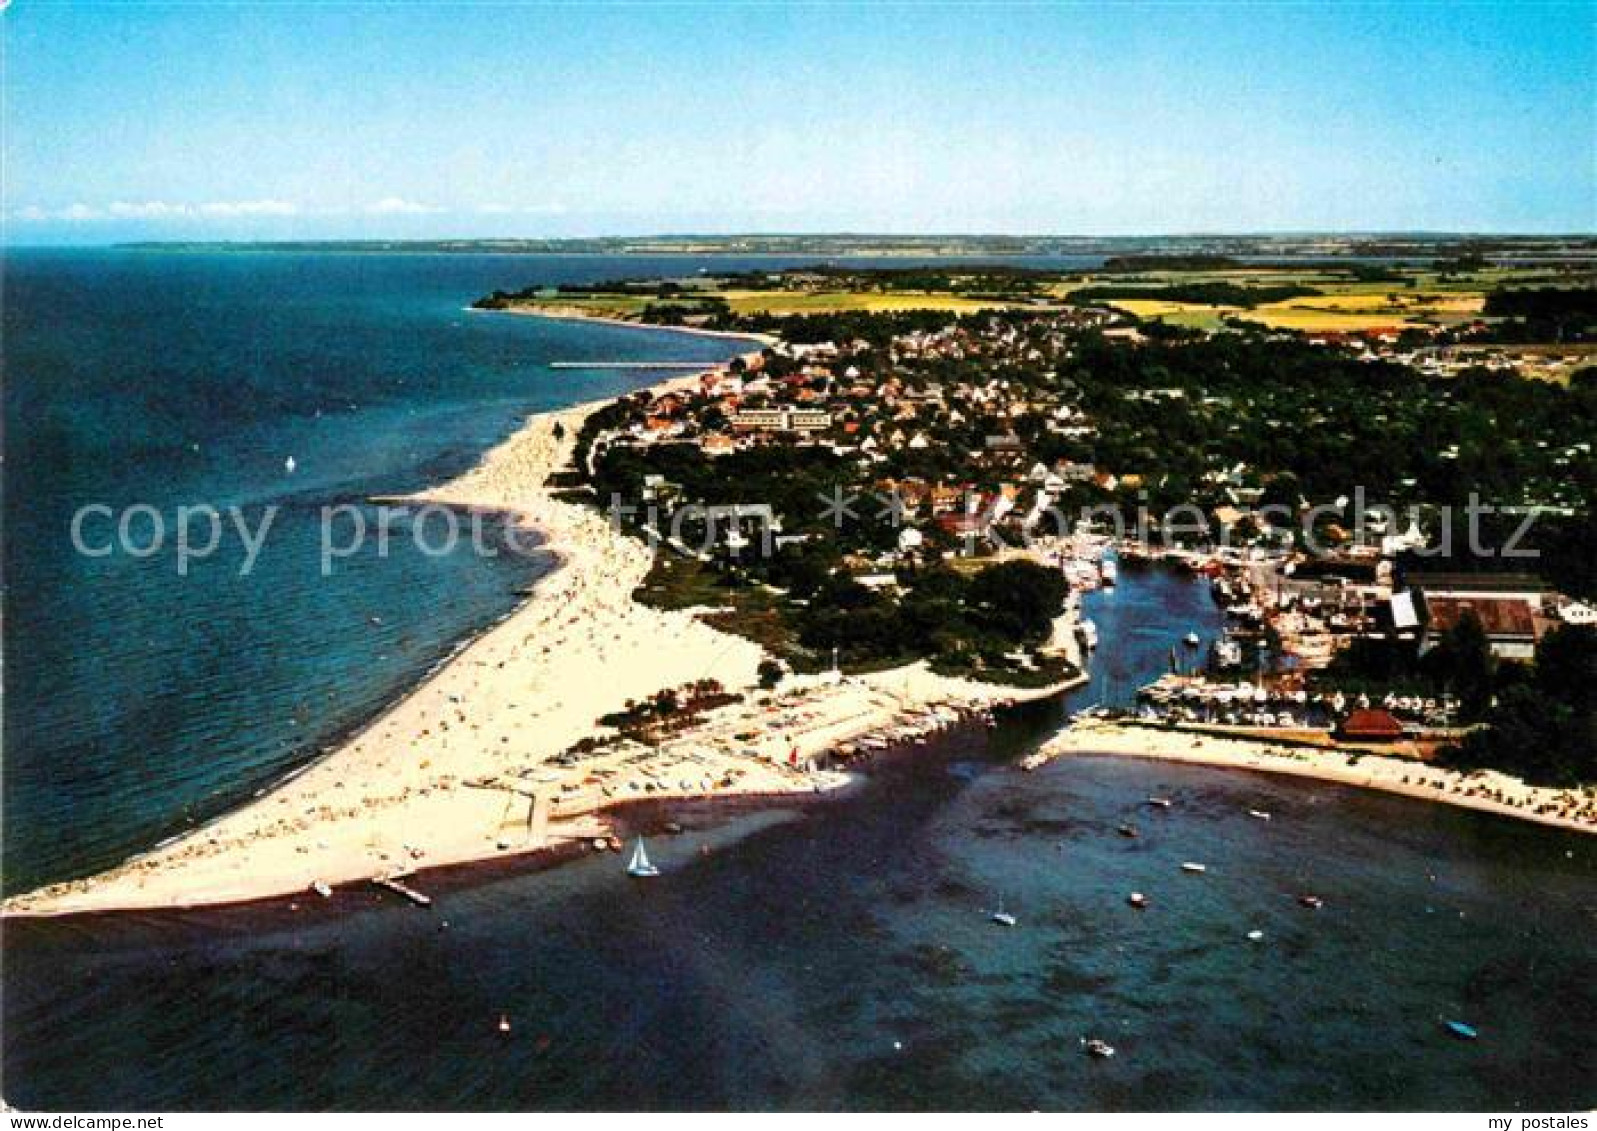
[(1462, 662), (1018, 600)]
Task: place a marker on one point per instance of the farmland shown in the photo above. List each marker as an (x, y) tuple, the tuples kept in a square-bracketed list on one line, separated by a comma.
[(1321, 297)]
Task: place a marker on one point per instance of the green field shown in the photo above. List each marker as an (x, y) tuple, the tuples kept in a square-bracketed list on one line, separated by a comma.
[(1421, 297)]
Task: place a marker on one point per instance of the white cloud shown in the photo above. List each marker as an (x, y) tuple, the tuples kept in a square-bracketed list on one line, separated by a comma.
[(147, 210), (248, 208), (155, 210), (396, 206), (550, 209)]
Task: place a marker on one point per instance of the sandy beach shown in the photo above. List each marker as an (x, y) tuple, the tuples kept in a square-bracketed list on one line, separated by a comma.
[(578, 314), (455, 770), (1487, 791)]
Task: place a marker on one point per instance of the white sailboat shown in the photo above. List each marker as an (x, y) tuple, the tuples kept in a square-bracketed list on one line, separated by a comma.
[(639, 866)]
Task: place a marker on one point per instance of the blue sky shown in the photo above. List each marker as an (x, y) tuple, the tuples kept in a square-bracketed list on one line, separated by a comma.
[(293, 120)]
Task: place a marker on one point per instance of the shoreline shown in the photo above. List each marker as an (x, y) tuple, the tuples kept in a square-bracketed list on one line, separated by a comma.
[(577, 314), (1485, 791), (463, 764)]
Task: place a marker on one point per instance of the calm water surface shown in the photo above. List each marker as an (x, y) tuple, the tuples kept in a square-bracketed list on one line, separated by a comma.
[(838, 956)]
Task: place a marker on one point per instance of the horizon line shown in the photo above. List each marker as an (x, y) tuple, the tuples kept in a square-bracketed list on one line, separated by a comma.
[(1428, 234)]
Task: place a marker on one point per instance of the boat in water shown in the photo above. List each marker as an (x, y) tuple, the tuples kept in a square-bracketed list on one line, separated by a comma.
[(1191, 640), (322, 888), (1227, 654), (1108, 573), (1002, 917), (1159, 802), (1089, 633), (1462, 1031), (1312, 902), (1137, 900), (1192, 866), (1103, 1050), (639, 867), (1259, 814)]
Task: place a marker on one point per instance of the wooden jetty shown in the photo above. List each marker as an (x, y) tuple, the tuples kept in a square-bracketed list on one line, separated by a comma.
[(398, 888), (704, 365)]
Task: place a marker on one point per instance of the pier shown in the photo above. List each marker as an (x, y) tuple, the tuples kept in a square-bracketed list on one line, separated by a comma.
[(632, 365), (398, 888)]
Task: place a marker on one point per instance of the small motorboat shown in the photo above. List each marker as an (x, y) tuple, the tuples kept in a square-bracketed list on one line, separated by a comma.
[(1191, 640), (639, 868), (322, 888), (1462, 1031), (1258, 814), (1128, 830), (1103, 1050), (1255, 936), (1159, 802), (1191, 866), (1312, 902), (1137, 900), (504, 1023)]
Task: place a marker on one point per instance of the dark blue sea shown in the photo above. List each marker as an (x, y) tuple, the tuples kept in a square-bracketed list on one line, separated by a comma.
[(827, 954)]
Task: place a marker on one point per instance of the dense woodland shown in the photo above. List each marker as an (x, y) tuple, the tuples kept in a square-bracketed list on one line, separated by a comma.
[(1209, 294), (1541, 314)]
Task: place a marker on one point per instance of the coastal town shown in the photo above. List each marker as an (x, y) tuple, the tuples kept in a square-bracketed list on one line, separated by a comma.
[(936, 448)]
